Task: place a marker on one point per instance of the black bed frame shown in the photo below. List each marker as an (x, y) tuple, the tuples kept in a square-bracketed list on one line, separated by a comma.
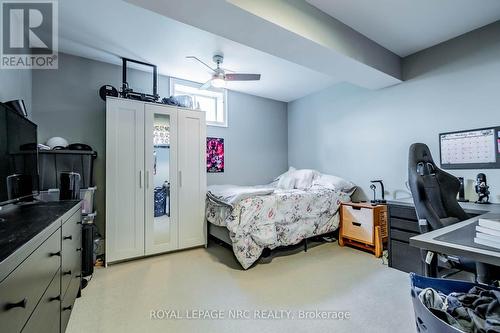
[(220, 235)]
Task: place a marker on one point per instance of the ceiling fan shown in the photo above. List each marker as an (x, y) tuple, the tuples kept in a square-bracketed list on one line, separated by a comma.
[(219, 75)]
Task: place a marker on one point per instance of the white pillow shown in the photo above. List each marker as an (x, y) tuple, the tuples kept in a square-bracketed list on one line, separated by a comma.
[(291, 169), (335, 182), (287, 180), (304, 178)]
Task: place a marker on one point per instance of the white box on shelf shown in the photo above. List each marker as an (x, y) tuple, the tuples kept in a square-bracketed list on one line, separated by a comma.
[(89, 218), (86, 195)]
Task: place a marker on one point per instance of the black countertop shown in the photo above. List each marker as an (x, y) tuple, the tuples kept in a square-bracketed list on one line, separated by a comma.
[(20, 223)]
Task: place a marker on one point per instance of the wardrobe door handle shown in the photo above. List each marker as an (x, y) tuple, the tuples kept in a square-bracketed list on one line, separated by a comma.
[(140, 178), (78, 249), (357, 224), (66, 308), (67, 273), (67, 237), (54, 254), (180, 178), (20, 304)]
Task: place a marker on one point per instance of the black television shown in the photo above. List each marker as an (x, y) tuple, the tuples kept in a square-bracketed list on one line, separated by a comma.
[(18, 157)]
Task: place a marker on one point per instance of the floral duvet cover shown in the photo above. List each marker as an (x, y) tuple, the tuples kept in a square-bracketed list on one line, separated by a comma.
[(285, 217)]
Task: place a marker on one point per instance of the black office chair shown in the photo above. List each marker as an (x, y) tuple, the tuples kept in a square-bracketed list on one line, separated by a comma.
[(434, 194)]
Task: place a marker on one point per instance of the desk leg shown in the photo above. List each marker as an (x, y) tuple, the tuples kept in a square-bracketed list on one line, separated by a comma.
[(486, 273), (430, 270)]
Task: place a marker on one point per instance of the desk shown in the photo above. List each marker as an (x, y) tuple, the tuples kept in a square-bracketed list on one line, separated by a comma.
[(404, 238), (453, 240), (469, 207)]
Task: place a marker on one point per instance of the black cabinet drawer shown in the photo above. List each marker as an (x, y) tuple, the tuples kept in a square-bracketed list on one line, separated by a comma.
[(23, 288), (47, 315), (405, 257), (407, 225), (403, 212), (400, 235)]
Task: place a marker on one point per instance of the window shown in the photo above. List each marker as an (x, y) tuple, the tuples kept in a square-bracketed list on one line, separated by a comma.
[(212, 101)]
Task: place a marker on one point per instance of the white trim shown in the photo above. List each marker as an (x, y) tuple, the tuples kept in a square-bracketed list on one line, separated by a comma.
[(173, 80)]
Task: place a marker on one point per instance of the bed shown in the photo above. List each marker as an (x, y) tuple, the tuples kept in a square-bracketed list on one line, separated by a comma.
[(254, 218)]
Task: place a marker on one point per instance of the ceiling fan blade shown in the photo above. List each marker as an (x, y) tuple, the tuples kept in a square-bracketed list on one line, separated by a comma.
[(242, 77), (206, 85), (204, 63)]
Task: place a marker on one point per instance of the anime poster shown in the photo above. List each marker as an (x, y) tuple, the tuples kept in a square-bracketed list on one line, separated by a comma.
[(215, 155)]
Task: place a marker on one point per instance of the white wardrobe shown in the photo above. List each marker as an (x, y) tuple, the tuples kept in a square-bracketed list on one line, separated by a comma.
[(155, 178)]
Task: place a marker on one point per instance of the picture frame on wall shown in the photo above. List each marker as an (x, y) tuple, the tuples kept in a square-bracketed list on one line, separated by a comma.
[(215, 155)]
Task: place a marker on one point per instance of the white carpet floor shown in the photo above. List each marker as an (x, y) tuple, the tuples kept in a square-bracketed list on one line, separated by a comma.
[(327, 278)]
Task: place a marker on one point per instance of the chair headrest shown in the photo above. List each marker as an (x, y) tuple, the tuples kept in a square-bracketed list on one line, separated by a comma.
[(425, 169), (420, 158)]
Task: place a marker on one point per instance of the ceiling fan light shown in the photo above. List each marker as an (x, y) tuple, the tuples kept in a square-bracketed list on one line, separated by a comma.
[(218, 82)]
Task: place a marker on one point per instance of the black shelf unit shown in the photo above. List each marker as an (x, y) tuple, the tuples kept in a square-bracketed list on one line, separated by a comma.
[(53, 162)]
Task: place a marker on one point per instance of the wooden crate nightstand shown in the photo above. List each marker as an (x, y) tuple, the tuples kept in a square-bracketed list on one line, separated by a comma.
[(364, 226)]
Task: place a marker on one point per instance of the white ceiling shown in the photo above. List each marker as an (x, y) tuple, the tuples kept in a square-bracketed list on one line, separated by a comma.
[(408, 26), (106, 30), (291, 65), (292, 30)]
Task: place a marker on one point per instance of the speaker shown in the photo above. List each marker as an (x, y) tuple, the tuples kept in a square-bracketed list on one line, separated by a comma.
[(107, 90), (88, 231), (461, 190)]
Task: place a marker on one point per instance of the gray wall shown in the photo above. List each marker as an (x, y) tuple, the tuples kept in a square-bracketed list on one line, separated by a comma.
[(255, 142), (16, 84), (363, 135), (66, 103)]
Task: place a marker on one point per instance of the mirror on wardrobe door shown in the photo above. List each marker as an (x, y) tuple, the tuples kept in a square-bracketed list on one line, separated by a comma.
[(161, 179)]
